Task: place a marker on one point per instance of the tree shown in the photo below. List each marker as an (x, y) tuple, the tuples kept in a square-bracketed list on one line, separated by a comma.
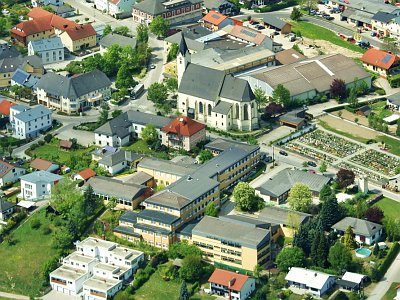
[(205, 155), (344, 178), (3, 24), (157, 93), (339, 257), (159, 26), (122, 30), (300, 197), (281, 95), (330, 212), (352, 98), (62, 239), (374, 214), (107, 30), (173, 52), (290, 257), (245, 198), (338, 89), (103, 117), (260, 96), (211, 210), (295, 14), (309, 4), (392, 228), (273, 109), (124, 78), (319, 249), (64, 196), (348, 238), (389, 45), (376, 249), (48, 137), (191, 269), (323, 167), (398, 128), (184, 293), (325, 193), (142, 33), (90, 201), (116, 113), (172, 84), (293, 221), (149, 134)]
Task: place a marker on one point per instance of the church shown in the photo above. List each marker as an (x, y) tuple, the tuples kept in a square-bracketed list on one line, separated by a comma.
[(220, 100)]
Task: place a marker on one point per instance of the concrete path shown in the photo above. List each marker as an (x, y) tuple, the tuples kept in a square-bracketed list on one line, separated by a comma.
[(13, 296)]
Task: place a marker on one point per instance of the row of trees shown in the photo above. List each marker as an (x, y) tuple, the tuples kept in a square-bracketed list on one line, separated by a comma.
[(158, 94)]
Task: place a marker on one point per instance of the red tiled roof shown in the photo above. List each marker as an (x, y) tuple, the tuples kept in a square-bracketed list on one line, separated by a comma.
[(32, 26), (38, 12), (379, 58), (65, 144), (41, 164), (5, 106), (183, 126), (229, 279), (61, 23), (80, 31), (214, 18), (5, 168), (86, 174)]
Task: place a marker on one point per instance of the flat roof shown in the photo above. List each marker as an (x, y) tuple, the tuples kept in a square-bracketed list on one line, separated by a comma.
[(67, 273), (101, 284), (80, 258)]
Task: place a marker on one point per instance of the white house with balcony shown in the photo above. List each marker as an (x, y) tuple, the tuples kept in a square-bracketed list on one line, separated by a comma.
[(115, 8), (73, 94), (38, 185), (96, 270), (28, 122)]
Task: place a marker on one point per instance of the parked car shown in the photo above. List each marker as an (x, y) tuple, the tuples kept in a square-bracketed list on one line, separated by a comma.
[(275, 33), (152, 66), (311, 164), (373, 33), (328, 17), (255, 23), (364, 44), (260, 27), (282, 152)]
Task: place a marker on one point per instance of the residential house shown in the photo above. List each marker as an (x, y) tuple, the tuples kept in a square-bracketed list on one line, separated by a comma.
[(128, 195), (234, 241), (380, 23), (365, 232), (118, 161), (213, 97), (85, 175), (277, 188), (183, 133), (38, 184), (64, 11), (393, 102), (310, 281), (8, 51), (73, 94), (5, 106), (231, 285), (277, 24), (308, 78), (28, 122), (9, 173), (39, 164), (37, 3), (25, 79), (352, 281), (8, 66), (96, 270), (51, 50), (120, 130), (215, 21), (222, 6), (116, 8), (6, 210), (79, 37), (113, 38), (381, 62), (175, 12)]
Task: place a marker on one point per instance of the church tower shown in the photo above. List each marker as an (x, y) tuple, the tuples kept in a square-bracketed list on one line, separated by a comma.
[(182, 59)]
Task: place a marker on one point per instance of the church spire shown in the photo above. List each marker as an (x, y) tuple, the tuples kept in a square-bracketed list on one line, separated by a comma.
[(183, 48)]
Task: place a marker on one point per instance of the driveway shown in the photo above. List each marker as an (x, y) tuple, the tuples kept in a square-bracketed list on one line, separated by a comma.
[(59, 296)]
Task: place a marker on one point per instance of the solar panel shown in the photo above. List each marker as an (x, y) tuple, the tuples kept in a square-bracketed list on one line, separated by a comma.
[(216, 17), (386, 58), (249, 33), (19, 77)]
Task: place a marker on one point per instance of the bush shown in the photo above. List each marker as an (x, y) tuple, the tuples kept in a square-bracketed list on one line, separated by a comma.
[(41, 143), (48, 138), (159, 258), (36, 224), (142, 276), (380, 92), (393, 251), (46, 230)]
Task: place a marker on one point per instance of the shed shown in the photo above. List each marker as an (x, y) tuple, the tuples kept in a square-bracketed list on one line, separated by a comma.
[(277, 24), (65, 144)]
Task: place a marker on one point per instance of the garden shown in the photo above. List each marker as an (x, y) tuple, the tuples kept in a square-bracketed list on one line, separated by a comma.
[(378, 161), (309, 152)]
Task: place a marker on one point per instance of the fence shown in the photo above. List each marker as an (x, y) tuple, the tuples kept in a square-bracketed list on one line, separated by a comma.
[(297, 134)]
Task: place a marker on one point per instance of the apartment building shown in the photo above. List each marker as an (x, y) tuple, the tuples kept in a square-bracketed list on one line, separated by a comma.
[(96, 270), (79, 37), (116, 8), (28, 122), (235, 241), (50, 50), (73, 94), (185, 199)]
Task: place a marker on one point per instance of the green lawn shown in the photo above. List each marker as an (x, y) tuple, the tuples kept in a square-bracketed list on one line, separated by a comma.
[(379, 109), (346, 134), (316, 32), (21, 264), (140, 146), (391, 208), (394, 145), (391, 293)]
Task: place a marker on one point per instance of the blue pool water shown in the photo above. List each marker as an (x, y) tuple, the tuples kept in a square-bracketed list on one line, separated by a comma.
[(363, 252)]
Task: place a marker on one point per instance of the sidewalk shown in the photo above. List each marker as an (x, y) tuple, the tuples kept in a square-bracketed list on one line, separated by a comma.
[(13, 296)]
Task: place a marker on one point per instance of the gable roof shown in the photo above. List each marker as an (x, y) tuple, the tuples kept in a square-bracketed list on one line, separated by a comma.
[(151, 7), (66, 144), (245, 33), (169, 199), (278, 215), (87, 173), (353, 277), (41, 176), (33, 113), (383, 17), (5, 167), (5, 106), (41, 164), (359, 226), (7, 51), (379, 58), (310, 278), (38, 12), (79, 32), (395, 98), (183, 126), (5, 205), (53, 43), (113, 38), (25, 79), (229, 279), (289, 56), (274, 21), (214, 18), (30, 27)]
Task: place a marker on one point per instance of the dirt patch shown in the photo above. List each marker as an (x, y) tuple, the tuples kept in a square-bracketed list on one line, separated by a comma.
[(348, 127), (320, 46), (351, 117)]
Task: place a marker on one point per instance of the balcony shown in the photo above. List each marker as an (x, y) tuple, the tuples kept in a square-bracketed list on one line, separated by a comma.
[(58, 281), (98, 294)]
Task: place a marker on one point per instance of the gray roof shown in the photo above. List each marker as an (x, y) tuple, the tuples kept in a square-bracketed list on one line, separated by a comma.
[(127, 230), (371, 6), (214, 4), (187, 228), (395, 98), (9, 64), (118, 157), (61, 9), (139, 178), (222, 145), (25, 79), (115, 188), (75, 86), (293, 116), (129, 216), (383, 17), (33, 113), (234, 232), (222, 107), (359, 226), (167, 198), (41, 176), (158, 216), (156, 7), (137, 117), (167, 166), (248, 221), (113, 38), (7, 51), (277, 215), (274, 21), (5, 205), (210, 84), (53, 43), (152, 228), (284, 181)]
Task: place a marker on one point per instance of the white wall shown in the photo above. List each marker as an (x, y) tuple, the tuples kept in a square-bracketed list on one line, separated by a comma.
[(36, 190), (12, 176)]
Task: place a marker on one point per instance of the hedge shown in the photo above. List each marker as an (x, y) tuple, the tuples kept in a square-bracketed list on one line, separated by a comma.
[(390, 257), (277, 6), (394, 81)]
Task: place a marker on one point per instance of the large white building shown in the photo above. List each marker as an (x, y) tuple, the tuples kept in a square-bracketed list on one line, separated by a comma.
[(28, 122), (115, 8), (51, 50), (38, 185), (96, 270)]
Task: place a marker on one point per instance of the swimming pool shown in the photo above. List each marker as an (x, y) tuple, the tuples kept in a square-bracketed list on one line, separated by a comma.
[(363, 252)]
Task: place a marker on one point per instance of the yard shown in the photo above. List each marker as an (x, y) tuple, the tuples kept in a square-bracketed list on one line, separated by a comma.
[(140, 146), (391, 293), (316, 32), (22, 263), (390, 207)]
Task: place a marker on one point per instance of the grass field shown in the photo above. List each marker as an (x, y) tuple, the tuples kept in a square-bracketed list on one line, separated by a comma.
[(21, 264), (380, 110), (391, 293), (316, 32), (140, 146), (390, 207), (394, 145)]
